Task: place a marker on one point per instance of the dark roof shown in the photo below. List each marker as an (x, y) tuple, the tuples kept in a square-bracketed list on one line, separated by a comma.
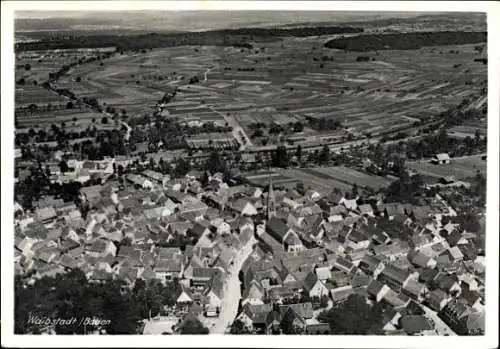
[(369, 262), (427, 275), (374, 287), (277, 228), (310, 281), (470, 296), (446, 281), (204, 273), (412, 324), (258, 312), (304, 310), (395, 273)]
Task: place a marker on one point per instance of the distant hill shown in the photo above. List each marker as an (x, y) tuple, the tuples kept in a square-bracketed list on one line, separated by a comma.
[(224, 37)]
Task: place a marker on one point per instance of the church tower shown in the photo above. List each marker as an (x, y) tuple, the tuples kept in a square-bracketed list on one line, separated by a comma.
[(271, 204)]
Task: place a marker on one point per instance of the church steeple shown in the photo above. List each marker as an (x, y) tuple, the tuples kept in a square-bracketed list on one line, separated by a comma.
[(271, 205)]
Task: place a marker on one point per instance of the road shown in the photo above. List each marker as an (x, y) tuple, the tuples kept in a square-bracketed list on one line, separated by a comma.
[(238, 132), (232, 294)]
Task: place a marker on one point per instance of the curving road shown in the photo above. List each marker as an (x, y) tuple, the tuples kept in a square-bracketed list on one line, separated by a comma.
[(232, 294)]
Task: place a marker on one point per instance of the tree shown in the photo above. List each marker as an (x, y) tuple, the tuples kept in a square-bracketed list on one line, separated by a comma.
[(300, 188), (280, 157), (324, 156), (193, 326), (181, 167), (354, 316), (69, 105), (104, 120), (63, 165), (355, 190), (27, 67), (298, 127), (239, 327), (298, 153)]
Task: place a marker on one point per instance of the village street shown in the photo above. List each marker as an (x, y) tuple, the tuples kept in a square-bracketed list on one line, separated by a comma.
[(232, 292)]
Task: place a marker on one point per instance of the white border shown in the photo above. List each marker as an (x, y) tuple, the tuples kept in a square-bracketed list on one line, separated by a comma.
[(7, 127)]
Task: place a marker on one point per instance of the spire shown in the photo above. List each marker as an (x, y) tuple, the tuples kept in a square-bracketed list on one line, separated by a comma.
[(271, 206)]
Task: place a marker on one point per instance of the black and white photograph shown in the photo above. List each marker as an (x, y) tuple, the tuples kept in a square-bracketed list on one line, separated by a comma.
[(315, 170)]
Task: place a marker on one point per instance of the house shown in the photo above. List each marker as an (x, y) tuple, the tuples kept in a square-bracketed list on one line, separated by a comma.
[(139, 181), (214, 293), (167, 269), (314, 286), (371, 265), (473, 299), (366, 210), (415, 290), (101, 248), (357, 240), (455, 314), (254, 316), (377, 290), (344, 265), (340, 294), (186, 297), (323, 273), (455, 254), (337, 213), (441, 159), (284, 235), (46, 215), (312, 194), (416, 325), (155, 177), (449, 283), (420, 260), (394, 277), (292, 322), (253, 294), (437, 299), (395, 300), (201, 276), (351, 204), (243, 207), (393, 210)]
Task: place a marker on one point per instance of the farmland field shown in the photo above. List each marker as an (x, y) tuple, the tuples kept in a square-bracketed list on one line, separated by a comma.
[(460, 168), (351, 177), (286, 81)]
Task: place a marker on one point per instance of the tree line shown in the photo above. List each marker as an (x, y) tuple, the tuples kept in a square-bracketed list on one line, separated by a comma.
[(405, 41)]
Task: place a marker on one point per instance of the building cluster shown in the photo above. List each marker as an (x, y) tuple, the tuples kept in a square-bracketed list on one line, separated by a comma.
[(309, 250), (318, 251)]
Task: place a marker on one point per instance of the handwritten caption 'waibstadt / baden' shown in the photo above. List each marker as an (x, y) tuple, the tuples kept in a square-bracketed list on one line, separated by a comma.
[(40, 320)]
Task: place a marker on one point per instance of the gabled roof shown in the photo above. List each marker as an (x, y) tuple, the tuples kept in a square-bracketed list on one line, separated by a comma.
[(395, 273), (412, 324), (216, 286), (442, 156), (45, 213), (258, 312), (310, 281), (277, 228), (304, 310), (168, 265), (374, 287), (365, 208), (370, 262)]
